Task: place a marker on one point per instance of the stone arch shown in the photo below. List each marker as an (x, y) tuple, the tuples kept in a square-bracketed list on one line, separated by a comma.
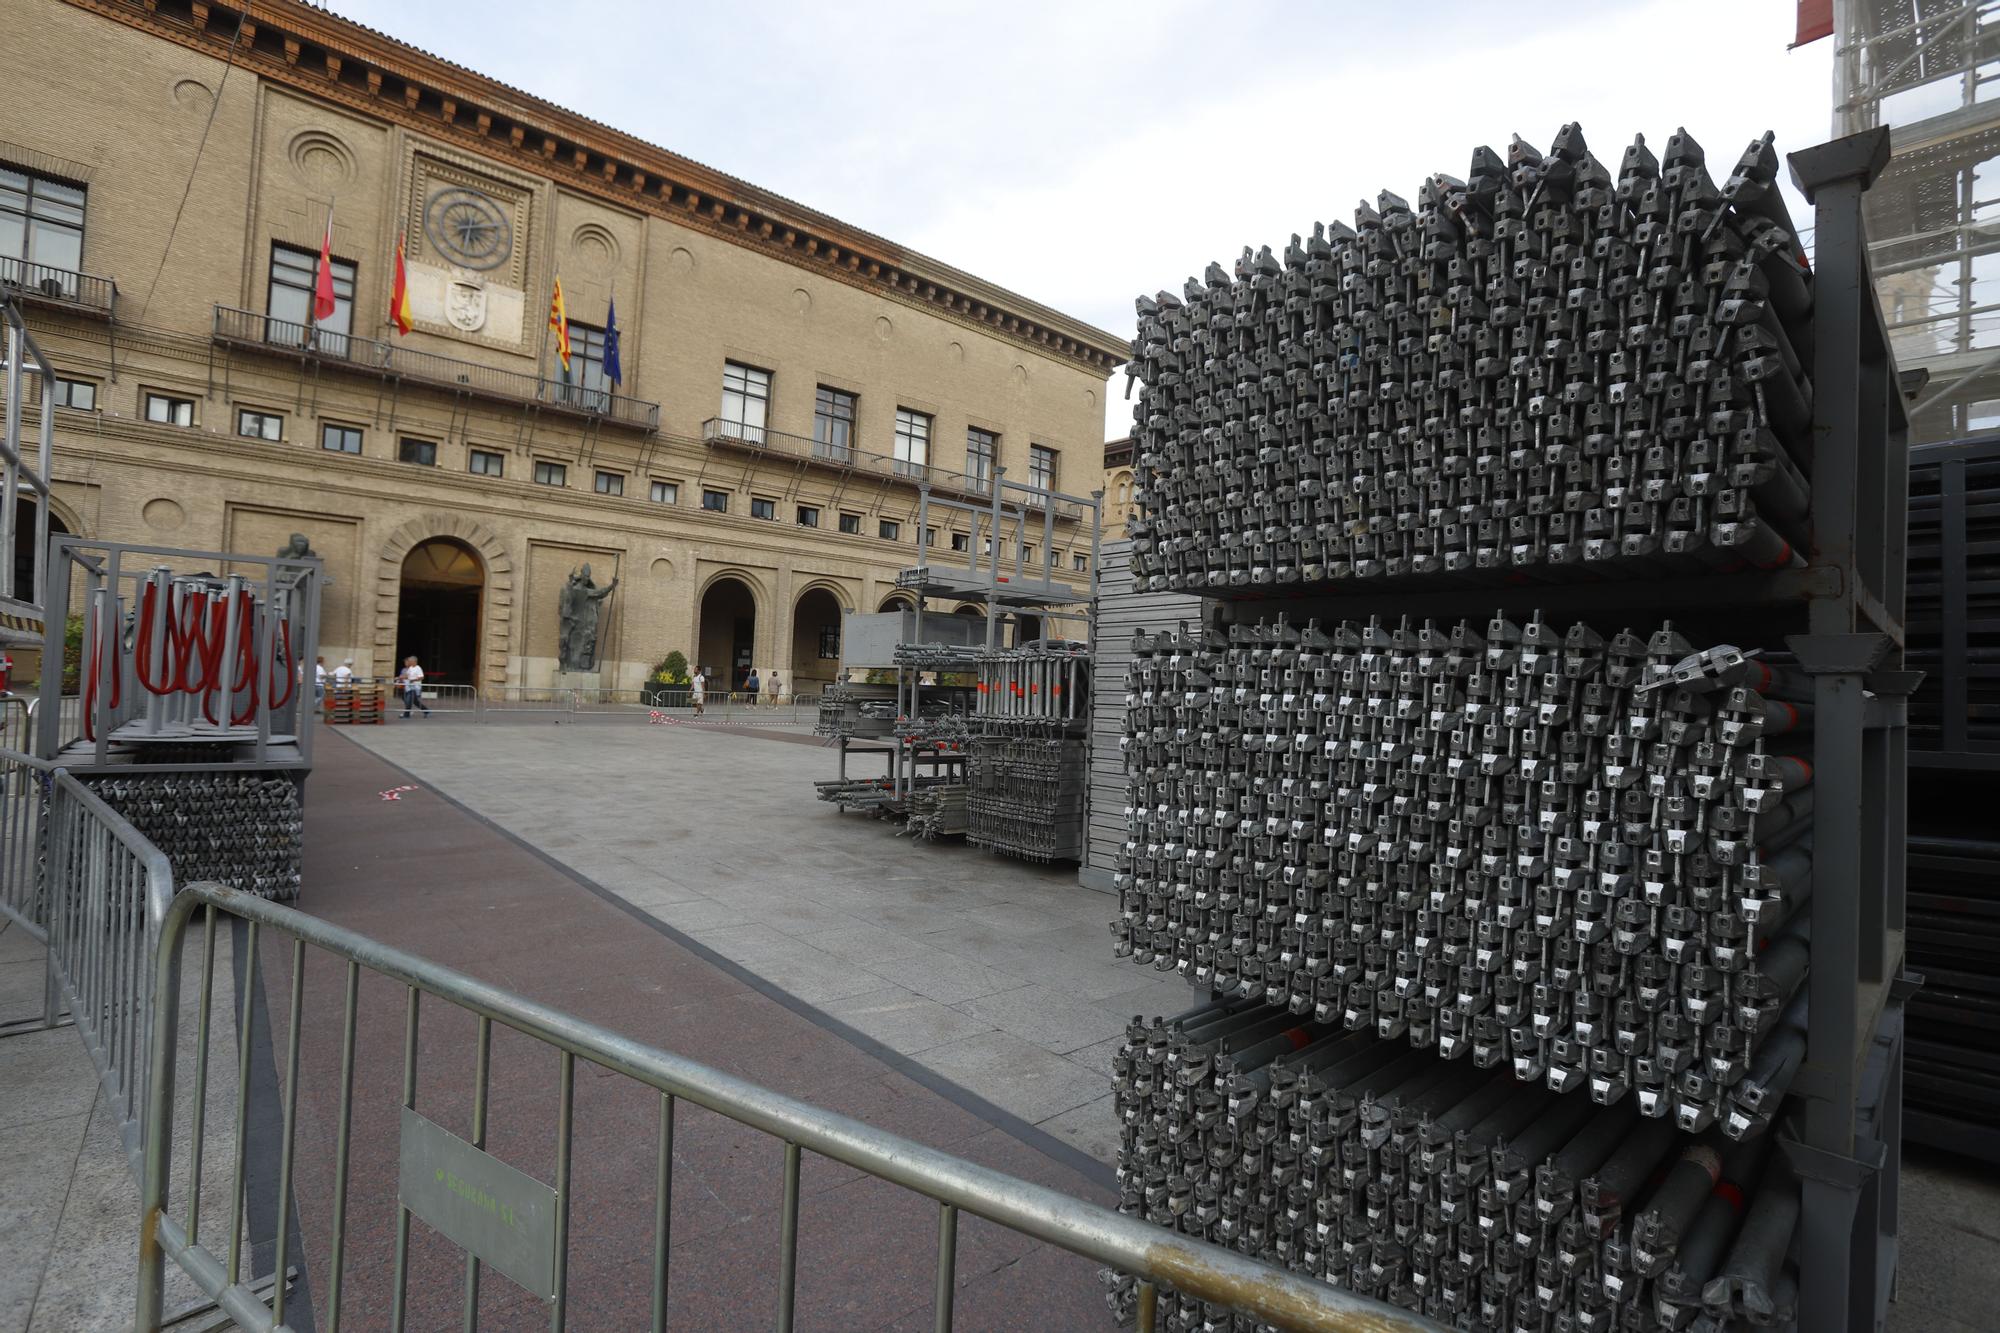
[(497, 610), (817, 606), (898, 600), (726, 672)]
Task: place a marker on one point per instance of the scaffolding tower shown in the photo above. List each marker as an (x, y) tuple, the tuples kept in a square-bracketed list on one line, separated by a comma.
[(1929, 70)]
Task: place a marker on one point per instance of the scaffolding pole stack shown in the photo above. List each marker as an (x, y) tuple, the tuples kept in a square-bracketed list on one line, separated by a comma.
[(1553, 531)]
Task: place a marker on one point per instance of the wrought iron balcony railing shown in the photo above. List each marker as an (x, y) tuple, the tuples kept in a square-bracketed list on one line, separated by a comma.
[(58, 286), (247, 328), (845, 457)]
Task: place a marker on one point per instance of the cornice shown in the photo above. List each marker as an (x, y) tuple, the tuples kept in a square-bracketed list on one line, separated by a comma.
[(312, 51)]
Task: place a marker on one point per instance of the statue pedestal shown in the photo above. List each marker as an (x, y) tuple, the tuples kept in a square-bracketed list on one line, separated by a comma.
[(577, 680)]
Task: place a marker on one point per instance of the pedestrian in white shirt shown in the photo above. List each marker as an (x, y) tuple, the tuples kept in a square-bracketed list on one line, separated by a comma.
[(699, 691), (410, 680)]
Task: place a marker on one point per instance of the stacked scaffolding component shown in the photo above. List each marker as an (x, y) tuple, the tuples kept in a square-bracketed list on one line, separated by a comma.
[(1463, 1194), (195, 721), (1954, 856), (1545, 364), (1523, 844), (1122, 610), (1553, 531)]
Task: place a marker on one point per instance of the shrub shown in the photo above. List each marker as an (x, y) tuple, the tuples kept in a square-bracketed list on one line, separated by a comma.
[(669, 677)]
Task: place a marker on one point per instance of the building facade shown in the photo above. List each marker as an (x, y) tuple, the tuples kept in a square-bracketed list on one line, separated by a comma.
[(1120, 507), (787, 379)]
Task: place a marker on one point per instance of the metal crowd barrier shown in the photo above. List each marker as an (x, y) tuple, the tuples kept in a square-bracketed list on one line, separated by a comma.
[(108, 892), (24, 795), (170, 1227)]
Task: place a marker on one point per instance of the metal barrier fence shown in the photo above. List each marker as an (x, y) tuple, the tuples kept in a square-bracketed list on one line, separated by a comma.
[(24, 795), (108, 894), (170, 1228)]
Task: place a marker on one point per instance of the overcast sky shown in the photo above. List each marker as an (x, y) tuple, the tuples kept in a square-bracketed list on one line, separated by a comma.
[(1081, 152)]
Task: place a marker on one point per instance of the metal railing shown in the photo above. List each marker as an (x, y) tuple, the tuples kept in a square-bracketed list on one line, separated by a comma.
[(42, 282), (24, 799), (1156, 1255), (247, 328), (846, 457), (107, 891)]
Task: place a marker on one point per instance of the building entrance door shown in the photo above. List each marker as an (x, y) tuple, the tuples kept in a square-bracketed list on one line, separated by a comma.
[(438, 616)]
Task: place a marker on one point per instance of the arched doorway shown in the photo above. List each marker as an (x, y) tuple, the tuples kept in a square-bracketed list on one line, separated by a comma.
[(815, 641), (898, 601), (438, 613), (24, 546), (728, 632), (1027, 628)]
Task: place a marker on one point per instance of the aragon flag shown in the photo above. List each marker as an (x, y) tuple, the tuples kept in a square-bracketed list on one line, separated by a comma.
[(559, 325)]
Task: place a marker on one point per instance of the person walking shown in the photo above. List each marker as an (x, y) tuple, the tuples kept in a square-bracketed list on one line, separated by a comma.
[(776, 688), (410, 680), (750, 687), (319, 683), (699, 690)]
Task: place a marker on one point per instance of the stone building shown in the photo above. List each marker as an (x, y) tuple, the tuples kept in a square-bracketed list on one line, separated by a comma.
[(164, 190), (1120, 507)]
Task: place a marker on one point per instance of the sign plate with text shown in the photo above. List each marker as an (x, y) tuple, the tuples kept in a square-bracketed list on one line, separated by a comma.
[(489, 1209)]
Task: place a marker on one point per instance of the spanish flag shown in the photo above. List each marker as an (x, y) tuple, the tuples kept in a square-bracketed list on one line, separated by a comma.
[(559, 325), (399, 299)]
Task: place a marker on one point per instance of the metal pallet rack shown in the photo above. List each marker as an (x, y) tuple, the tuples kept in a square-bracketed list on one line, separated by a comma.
[(998, 577), (1953, 1085), (1840, 614)]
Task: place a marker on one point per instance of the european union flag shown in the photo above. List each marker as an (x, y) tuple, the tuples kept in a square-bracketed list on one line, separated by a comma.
[(612, 370)]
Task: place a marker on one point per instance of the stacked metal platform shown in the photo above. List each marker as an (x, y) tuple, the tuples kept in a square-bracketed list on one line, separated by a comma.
[(1122, 611), (1954, 858), (1457, 797), (1547, 363), (1465, 1194), (1531, 845), (245, 830)]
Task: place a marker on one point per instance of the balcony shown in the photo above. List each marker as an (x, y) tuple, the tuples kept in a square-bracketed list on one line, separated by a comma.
[(59, 287), (845, 458), (367, 356)]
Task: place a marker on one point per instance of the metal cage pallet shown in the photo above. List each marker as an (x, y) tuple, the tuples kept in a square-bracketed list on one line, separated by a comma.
[(1835, 616)]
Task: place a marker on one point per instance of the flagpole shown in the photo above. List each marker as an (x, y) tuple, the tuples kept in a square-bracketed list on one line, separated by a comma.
[(325, 256), (542, 356)]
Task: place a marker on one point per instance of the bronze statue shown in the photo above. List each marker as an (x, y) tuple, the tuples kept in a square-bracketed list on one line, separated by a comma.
[(579, 616), (298, 548)]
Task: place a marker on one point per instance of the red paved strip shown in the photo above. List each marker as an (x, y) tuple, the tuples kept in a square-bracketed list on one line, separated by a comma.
[(424, 876)]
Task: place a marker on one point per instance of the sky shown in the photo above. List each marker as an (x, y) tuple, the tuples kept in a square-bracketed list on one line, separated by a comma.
[(1081, 152)]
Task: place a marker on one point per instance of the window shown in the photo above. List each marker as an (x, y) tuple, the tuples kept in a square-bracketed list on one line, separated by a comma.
[(169, 410), (551, 474), (1027, 554), (746, 401), (961, 542), (424, 453), (763, 508), (291, 298), (41, 232), (890, 530), (610, 483), (584, 383), (486, 463), (808, 516), (981, 447), (252, 424), (851, 523), (833, 424), (340, 439), (666, 492), (1080, 563), (715, 501), (930, 536), (78, 394), (1042, 466), (913, 441)]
